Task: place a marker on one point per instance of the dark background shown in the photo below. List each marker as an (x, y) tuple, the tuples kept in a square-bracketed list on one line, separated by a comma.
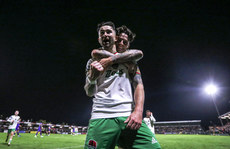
[(44, 47)]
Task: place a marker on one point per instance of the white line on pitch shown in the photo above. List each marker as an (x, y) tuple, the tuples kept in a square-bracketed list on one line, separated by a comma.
[(71, 147)]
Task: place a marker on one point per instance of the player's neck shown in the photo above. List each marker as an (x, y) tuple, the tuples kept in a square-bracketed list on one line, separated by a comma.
[(111, 49)]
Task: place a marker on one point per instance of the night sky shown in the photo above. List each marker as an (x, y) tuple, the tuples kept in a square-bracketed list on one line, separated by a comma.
[(44, 47)]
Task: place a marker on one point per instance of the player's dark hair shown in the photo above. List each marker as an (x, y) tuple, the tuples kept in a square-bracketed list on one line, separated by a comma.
[(127, 31), (147, 110), (108, 23)]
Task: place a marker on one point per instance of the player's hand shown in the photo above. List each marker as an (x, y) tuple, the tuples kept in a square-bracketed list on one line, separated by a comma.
[(134, 120), (96, 70), (105, 62)]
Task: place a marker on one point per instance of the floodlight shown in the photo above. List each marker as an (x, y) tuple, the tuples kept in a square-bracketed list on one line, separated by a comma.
[(211, 89)]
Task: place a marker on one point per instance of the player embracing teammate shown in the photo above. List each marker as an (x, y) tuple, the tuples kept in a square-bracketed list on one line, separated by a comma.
[(116, 117)]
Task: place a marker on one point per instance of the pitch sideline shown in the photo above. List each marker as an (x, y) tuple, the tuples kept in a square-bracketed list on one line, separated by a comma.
[(71, 147)]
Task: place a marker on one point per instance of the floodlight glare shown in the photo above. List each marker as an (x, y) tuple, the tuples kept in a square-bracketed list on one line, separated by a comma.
[(211, 89)]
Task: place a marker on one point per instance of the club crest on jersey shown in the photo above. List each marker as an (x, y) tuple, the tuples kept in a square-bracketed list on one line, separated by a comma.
[(92, 144)]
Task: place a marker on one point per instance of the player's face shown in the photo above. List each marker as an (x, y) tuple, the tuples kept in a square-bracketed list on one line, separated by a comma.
[(122, 43), (16, 112), (106, 36)]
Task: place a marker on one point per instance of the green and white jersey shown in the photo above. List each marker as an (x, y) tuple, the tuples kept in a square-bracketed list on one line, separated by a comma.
[(13, 121), (114, 93)]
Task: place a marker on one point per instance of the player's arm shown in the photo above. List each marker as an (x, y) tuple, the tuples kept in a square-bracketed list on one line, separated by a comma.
[(100, 54), (152, 118), (93, 71), (90, 85), (135, 119), (107, 58), (129, 55), (10, 119)]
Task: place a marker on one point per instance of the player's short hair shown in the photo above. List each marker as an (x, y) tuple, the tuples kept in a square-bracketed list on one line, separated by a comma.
[(147, 110), (108, 23), (127, 31)]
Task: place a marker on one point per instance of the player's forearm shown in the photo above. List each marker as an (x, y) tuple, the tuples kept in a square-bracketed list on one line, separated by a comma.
[(152, 118), (99, 54), (90, 87), (130, 55), (139, 96), (9, 120)]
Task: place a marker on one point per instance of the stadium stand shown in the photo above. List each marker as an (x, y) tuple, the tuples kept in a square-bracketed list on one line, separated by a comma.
[(31, 127), (225, 116), (221, 130), (179, 127), (164, 127)]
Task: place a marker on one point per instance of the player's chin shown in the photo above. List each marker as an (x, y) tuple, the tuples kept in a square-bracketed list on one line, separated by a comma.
[(106, 45), (120, 50)]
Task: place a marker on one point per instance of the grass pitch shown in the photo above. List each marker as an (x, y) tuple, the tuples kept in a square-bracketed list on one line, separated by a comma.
[(58, 141)]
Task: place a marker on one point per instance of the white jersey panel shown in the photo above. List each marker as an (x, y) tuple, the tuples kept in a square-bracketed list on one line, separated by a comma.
[(13, 121), (114, 94), (150, 123)]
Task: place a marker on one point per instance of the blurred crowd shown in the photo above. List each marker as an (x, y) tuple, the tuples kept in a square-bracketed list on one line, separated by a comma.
[(225, 129), (186, 129)]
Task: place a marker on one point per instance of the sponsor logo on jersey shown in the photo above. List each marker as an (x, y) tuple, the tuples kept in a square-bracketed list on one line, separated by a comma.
[(112, 73), (92, 144)]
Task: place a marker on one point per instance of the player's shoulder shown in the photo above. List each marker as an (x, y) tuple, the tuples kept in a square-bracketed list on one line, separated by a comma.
[(100, 48), (88, 64), (138, 50), (90, 61), (96, 49)]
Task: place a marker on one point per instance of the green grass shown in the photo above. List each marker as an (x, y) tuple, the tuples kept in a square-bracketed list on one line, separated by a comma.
[(55, 141), (193, 142)]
